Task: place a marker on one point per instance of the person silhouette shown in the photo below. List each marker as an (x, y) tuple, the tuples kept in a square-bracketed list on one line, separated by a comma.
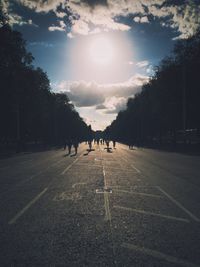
[(107, 143), (114, 144), (75, 144), (90, 144), (69, 145)]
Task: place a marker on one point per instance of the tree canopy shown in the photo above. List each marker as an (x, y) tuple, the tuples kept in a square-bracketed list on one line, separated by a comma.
[(29, 111), (169, 103)]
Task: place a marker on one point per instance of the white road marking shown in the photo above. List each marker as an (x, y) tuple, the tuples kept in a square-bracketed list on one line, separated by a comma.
[(106, 198), (88, 165), (20, 213), (41, 172), (159, 255), (74, 185), (132, 166), (137, 193), (179, 205), (137, 170), (70, 165), (153, 214)]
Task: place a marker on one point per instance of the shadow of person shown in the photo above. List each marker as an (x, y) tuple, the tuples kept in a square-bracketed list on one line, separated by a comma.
[(88, 151), (66, 155), (109, 149)]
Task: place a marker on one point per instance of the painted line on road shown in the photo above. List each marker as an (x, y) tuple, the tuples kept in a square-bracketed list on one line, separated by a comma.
[(88, 165), (179, 205), (137, 170), (159, 255), (106, 199), (132, 166), (138, 193), (153, 214), (41, 172), (74, 185), (70, 165), (20, 213)]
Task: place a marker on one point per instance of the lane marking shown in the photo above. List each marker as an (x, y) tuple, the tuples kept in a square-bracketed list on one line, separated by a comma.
[(106, 199), (20, 213), (132, 166), (179, 205), (70, 165), (159, 255), (88, 165), (137, 193), (153, 214), (74, 185), (39, 173), (137, 170)]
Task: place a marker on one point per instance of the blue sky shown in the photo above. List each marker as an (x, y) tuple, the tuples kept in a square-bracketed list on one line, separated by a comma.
[(101, 52)]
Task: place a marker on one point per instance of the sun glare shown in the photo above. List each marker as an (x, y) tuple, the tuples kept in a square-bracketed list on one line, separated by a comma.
[(101, 51), (101, 57)]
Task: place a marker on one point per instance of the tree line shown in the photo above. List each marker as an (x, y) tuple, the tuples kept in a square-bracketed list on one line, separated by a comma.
[(29, 110), (167, 110)]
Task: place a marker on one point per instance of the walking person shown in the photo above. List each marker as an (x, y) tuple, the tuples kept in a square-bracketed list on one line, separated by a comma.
[(75, 144), (114, 144), (107, 143), (90, 144), (69, 146)]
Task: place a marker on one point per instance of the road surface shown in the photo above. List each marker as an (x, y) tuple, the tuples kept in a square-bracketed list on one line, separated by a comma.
[(120, 207)]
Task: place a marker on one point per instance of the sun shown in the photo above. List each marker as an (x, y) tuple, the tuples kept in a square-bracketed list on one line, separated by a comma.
[(101, 51)]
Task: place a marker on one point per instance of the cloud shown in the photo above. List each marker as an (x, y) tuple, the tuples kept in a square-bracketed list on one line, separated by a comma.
[(100, 106), (142, 64), (182, 16), (83, 94), (14, 18), (110, 98), (141, 19), (114, 105), (61, 27), (42, 5)]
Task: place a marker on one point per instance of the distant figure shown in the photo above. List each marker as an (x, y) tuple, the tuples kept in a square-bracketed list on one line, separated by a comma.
[(90, 144), (130, 144), (69, 145), (65, 145), (98, 142), (107, 144), (114, 144), (101, 141), (75, 144)]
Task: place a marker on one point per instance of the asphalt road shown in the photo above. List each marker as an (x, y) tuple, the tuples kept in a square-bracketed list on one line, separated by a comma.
[(100, 208)]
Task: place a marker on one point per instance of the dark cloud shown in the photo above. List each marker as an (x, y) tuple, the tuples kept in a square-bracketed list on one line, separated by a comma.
[(101, 106)]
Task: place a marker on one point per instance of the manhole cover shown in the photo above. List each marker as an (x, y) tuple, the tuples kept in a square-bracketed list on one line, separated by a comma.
[(103, 190)]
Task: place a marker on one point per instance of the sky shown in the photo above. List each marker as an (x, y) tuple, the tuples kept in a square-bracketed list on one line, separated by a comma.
[(101, 52)]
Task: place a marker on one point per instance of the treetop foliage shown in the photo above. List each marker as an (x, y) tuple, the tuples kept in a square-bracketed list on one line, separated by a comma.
[(168, 103)]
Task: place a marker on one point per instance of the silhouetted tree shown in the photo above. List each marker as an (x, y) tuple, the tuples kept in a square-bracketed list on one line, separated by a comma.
[(29, 111), (169, 103)]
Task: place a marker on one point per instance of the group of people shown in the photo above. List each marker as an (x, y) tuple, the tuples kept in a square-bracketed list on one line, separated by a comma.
[(102, 142), (69, 143)]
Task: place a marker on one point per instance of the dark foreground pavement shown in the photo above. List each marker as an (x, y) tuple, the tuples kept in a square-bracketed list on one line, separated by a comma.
[(54, 211)]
